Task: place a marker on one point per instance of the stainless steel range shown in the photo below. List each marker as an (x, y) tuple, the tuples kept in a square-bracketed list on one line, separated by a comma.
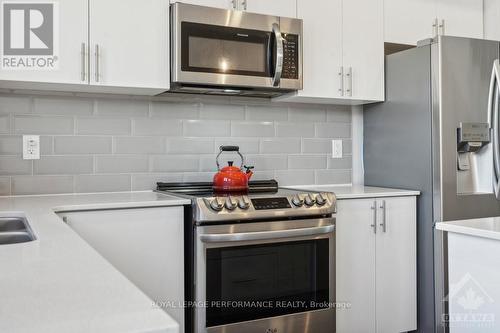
[(259, 262)]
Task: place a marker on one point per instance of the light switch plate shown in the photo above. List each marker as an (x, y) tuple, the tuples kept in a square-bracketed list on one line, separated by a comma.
[(337, 149), (31, 147)]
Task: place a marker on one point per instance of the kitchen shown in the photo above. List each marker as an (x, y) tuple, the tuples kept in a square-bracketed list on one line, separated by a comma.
[(229, 167)]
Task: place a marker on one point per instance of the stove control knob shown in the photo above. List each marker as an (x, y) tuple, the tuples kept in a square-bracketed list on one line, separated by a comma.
[(309, 201), (231, 204), (243, 203), (216, 205), (320, 200), (297, 201)]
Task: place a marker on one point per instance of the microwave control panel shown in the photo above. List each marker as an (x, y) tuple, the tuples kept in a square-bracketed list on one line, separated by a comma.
[(290, 56)]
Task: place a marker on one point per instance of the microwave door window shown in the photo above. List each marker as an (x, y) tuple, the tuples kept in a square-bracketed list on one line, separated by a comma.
[(224, 50)]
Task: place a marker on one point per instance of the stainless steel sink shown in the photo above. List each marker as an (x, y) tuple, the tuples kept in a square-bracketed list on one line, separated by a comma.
[(14, 228), (15, 237)]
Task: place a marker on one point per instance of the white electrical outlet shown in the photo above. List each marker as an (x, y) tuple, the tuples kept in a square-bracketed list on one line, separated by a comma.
[(337, 149), (31, 147)]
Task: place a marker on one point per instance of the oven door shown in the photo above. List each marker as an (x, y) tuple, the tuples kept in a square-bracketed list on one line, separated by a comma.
[(266, 277), (224, 48)]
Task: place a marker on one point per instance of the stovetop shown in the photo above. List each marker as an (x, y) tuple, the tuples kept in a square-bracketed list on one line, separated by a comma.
[(264, 201)]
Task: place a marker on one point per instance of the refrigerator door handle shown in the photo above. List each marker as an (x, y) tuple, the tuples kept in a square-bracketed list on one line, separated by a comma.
[(493, 101)]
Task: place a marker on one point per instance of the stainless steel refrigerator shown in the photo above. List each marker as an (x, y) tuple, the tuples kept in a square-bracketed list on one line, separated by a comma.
[(437, 132)]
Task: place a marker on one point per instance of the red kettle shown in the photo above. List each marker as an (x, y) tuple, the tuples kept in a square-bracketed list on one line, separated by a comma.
[(231, 178)]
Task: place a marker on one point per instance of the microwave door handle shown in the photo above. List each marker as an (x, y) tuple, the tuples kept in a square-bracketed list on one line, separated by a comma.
[(279, 55), (266, 235)]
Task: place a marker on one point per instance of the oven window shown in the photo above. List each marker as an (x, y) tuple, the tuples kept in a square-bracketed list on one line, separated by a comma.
[(260, 281), (225, 50)]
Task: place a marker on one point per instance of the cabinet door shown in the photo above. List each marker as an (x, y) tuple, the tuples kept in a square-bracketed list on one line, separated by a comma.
[(408, 21), (71, 33), (225, 4), (145, 245), (363, 49), (355, 267), (396, 265), (463, 18), (492, 19), (130, 44), (286, 8), (322, 48)]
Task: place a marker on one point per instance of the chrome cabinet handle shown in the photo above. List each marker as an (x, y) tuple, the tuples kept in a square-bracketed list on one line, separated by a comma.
[(384, 222), (441, 26), (244, 4), (341, 76), (349, 78), (493, 101), (234, 4), (279, 55), (83, 54), (374, 224), (264, 235), (435, 27), (97, 69)]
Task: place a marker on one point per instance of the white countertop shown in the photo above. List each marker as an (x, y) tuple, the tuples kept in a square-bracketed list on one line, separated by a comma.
[(58, 283), (357, 191), (488, 227)]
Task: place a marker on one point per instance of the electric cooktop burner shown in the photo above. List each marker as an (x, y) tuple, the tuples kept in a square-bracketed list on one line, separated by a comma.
[(264, 200)]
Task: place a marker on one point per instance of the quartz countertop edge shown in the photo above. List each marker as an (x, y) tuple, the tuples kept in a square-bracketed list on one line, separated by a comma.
[(357, 191), (59, 283), (488, 227)]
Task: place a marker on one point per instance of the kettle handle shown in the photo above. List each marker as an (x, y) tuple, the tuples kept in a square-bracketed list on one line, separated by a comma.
[(229, 148)]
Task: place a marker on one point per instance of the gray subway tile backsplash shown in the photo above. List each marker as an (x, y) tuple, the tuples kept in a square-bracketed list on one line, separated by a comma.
[(15, 165), (252, 129), (15, 104), (4, 124), (122, 164), (82, 145), (103, 126), (63, 165), (104, 144), (24, 185), (43, 124), (102, 183), (139, 145), (5, 186), (63, 106)]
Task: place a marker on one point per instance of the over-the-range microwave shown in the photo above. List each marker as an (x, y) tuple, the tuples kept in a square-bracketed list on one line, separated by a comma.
[(230, 52)]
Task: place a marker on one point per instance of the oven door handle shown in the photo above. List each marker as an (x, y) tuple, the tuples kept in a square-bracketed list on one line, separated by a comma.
[(279, 55), (266, 235)]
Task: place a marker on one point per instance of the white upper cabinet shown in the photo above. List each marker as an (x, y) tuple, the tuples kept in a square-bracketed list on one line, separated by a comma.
[(322, 51), (105, 46), (492, 19), (129, 43), (224, 4), (71, 35), (363, 51), (286, 8), (408, 21), (463, 18), (343, 52)]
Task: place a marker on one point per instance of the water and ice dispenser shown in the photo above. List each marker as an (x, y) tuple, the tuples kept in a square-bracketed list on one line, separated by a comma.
[(474, 158)]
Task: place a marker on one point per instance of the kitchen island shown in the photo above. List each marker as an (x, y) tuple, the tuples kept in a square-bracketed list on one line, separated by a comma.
[(473, 274), (59, 283)]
